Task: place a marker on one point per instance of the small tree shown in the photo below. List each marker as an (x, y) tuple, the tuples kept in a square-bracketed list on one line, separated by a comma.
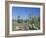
[(19, 20)]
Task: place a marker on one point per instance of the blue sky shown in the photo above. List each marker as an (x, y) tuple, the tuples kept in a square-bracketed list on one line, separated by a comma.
[(24, 12)]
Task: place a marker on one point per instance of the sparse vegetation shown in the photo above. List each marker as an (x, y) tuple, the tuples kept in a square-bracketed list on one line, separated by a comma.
[(32, 23)]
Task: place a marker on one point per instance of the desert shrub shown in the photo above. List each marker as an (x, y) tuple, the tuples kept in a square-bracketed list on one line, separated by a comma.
[(19, 20), (36, 22)]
